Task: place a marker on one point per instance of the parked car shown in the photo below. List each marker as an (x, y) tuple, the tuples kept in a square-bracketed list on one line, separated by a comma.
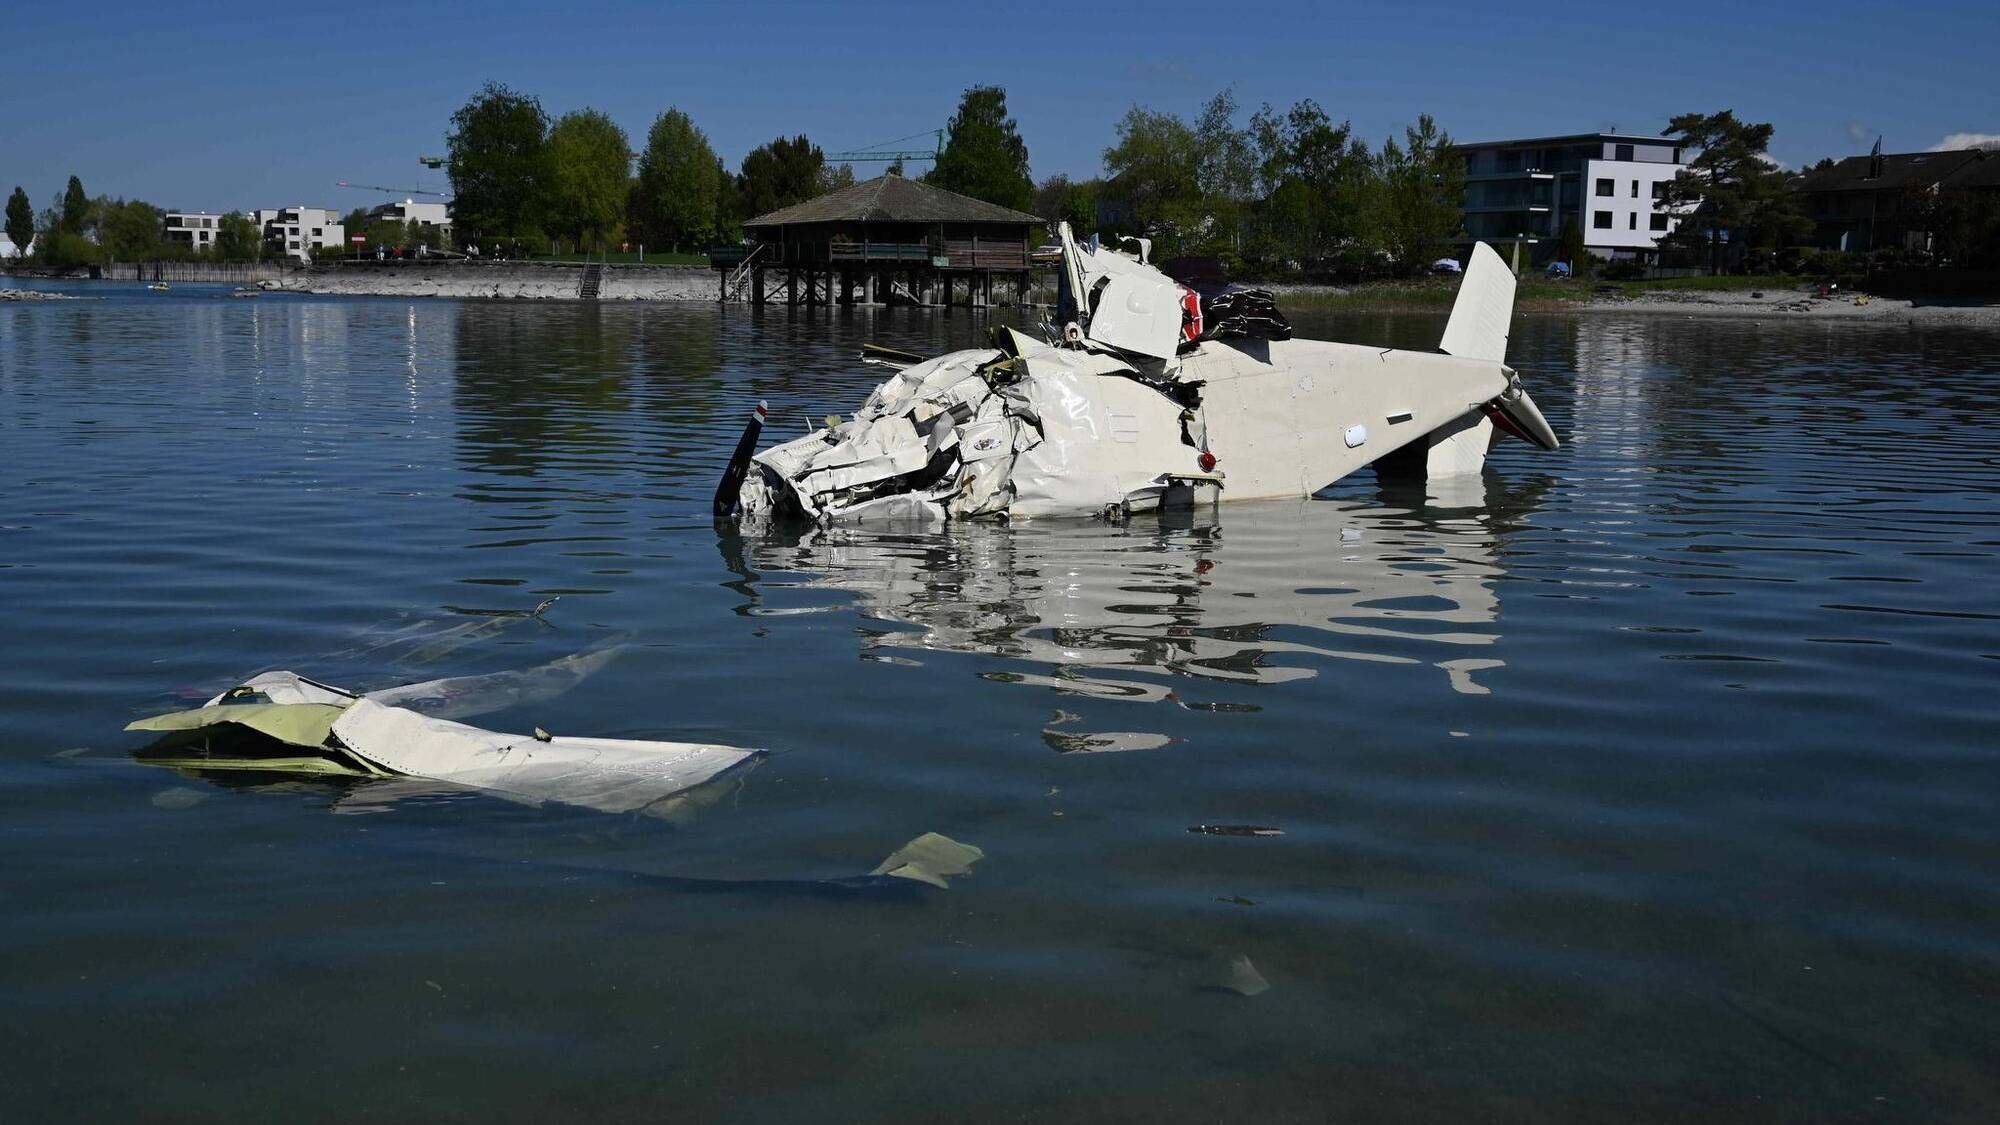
[(1447, 265), (1559, 270)]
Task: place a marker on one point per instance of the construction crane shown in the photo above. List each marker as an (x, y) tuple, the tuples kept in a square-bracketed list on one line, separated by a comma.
[(390, 190), (881, 152)]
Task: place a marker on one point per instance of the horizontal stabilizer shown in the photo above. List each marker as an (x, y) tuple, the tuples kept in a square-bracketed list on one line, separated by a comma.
[(1484, 309)]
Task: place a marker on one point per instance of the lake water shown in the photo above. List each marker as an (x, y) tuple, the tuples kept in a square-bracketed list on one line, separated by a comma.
[(1654, 779)]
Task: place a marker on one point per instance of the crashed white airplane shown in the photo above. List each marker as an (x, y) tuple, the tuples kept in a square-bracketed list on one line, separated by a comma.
[(1153, 396)]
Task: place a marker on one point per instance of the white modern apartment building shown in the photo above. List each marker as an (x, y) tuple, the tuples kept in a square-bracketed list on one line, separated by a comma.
[(195, 230), (299, 231), (422, 214), (1608, 184)]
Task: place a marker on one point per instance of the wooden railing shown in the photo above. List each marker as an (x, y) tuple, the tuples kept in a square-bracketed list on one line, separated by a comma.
[(956, 253)]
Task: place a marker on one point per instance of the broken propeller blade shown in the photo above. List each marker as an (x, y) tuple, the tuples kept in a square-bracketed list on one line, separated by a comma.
[(731, 487)]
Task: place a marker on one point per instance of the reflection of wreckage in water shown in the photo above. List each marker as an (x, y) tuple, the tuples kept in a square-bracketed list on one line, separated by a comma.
[(1154, 396), (1146, 613)]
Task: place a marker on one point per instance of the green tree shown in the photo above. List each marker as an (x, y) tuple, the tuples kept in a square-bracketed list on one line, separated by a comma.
[(1419, 196), (20, 220), (75, 208), (1316, 179), (1184, 184), (984, 156), (499, 164), (728, 218), (1152, 172), (130, 230), (590, 171), (676, 199), (1059, 199), (833, 177), (237, 239), (779, 174), (1570, 248), (1731, 192)]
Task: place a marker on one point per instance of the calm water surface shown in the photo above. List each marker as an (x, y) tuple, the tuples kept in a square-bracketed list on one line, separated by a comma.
[(1651, 780)]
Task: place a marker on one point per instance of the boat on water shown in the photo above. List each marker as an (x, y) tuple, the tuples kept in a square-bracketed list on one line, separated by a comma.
[(1144, 394), (159, 287)]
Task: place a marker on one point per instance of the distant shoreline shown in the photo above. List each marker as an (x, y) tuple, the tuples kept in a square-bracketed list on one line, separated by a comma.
[(536, 281)]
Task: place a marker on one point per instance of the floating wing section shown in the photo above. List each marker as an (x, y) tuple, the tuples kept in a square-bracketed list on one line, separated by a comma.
[(1485, 307)]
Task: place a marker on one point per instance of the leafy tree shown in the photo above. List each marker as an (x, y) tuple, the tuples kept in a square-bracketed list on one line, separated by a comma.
[(833, 177), (1967, 226), (130, 230), (590, 169), (75, 208), (61, 249), (1419, 196), (20, 220), (1152, 172), (1184, 184), (1570, 248), (728, 220), (237, 238), (499, 163), (984, 156), (1316, 178), (1732, 191), (1059, 199), (675, 200), (779, 174)]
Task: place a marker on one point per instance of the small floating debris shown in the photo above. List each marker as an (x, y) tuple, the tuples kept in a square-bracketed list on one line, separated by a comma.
[(179, 797), (930, 858), (1235, 830), (1233, 972)]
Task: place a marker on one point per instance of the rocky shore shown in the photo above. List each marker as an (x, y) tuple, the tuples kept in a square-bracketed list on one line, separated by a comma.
[(506, 281), (1779, 304), (39, 295)]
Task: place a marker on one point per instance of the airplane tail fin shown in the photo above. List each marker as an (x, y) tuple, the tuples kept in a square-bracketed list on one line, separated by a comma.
[(1484, 309)]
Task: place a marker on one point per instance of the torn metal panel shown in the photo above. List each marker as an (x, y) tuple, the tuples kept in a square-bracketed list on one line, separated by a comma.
[(606, 774), (295, 724)]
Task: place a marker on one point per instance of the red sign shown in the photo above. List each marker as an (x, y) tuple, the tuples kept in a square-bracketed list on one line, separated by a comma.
[(359, 238)]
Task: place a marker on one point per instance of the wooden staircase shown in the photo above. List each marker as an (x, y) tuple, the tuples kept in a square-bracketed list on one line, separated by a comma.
[(593, 281)]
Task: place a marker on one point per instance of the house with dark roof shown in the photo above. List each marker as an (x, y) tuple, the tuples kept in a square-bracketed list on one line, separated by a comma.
[(862, 242), (1883, 201)]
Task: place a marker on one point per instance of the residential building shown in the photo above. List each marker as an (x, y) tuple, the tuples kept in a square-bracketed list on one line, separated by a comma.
[(1882, 201), (422, 214), (1609, 184), (196, 230), (9, 250), (300, 231)]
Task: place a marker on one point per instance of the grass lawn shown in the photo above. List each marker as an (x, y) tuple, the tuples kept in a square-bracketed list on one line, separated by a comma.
[(1535, 293)]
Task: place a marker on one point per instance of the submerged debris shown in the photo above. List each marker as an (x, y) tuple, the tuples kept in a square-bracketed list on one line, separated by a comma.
[(930, 858), (1235, 830), (1233, 972)]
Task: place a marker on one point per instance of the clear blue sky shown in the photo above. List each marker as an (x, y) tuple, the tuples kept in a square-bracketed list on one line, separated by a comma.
[(222, 107)]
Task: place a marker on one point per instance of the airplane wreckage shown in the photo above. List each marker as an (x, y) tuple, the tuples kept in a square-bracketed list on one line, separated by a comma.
[(1150, 395)]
